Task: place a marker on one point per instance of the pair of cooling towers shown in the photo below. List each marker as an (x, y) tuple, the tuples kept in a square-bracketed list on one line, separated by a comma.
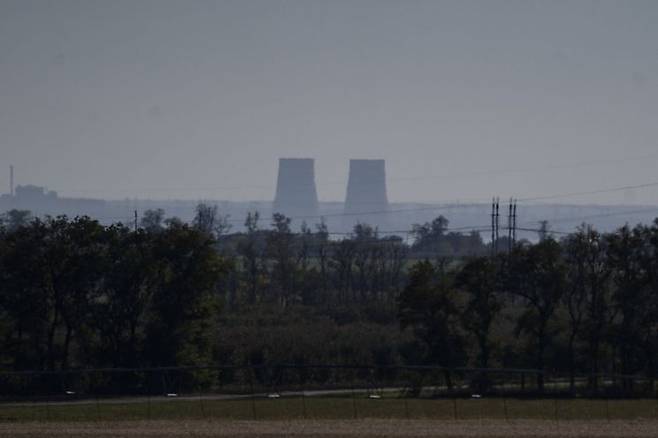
[(296, 194)]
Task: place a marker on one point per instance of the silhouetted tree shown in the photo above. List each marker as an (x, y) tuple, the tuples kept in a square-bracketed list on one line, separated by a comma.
[(592, 256), (342, 263), (628, 258), (14, 219), (428, 306), (251, 250), (152, 220), (323, 246), (128, 289), (430, 235), (24, 305), (209, 221), (537, 275), (576, 248), (479, 280), (281, 250), (184, 306)]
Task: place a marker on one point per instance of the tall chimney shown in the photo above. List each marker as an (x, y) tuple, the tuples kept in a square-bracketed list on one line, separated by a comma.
[(296, 194), (11, 180), (366, 199)]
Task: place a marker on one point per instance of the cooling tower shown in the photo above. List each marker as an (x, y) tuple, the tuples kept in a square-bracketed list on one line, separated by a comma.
[(366, 199), (295, 189)]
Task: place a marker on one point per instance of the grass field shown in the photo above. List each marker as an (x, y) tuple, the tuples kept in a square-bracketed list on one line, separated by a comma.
[(338, 429), (332, 408)]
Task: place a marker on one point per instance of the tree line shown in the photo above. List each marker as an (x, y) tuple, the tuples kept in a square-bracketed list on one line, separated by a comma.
[(75, 293), (587, 304)]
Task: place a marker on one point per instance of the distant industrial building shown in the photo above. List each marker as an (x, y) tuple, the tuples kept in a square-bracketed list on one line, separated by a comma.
[(366, 200), (296, 194), (42, 202)]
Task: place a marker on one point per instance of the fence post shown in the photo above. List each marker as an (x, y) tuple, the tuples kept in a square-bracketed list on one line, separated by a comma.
[(655, 393), (505, 400), (27, 391), (253, 394), (35, 409), (48, 389), (302, 381), (48, 408), (356, 415), (449, 382), (405, 394), (203, 408), (98, 407), (163, 373), (147, 376), (555, 405)]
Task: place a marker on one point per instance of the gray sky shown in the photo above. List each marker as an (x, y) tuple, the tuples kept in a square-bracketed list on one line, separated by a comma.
[(198, 99)]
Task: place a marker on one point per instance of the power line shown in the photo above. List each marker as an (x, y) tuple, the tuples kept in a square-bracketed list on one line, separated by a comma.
[(453, 206), (536, 230), (591, 192), (444, 207), (398, 232), (375, 212), (600, 215), (433, 208)]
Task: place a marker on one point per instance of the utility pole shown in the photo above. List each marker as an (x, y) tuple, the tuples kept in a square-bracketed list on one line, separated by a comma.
[(135, 220), (509, 227), (11, 181), (514, 223), (497, 221), (493, 225)]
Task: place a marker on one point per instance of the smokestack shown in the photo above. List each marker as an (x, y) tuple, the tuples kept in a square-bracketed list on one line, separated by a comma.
[(366, 193), (296, 194), (11, 180)]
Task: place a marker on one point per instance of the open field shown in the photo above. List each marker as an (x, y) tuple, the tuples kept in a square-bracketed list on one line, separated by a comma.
[(339, 429), (332, 408)]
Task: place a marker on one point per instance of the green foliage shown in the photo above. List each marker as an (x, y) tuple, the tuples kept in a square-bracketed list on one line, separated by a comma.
[(15, 219), (153, 220), (537, 275), (480, 281), (75, 293), (428, 305), (434, 238), (184, 303), (304, 335)]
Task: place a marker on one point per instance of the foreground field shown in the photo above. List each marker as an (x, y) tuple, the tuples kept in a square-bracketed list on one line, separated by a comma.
[(330, 408), (339, 429)]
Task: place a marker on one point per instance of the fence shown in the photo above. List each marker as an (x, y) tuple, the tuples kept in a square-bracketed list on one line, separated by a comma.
[(293, 391)]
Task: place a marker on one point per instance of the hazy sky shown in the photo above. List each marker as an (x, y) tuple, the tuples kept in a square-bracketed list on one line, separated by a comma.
[(198, 99)]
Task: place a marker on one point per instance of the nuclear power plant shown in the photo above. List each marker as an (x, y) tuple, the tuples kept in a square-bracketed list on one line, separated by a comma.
[(366, 199), (296, 195)]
